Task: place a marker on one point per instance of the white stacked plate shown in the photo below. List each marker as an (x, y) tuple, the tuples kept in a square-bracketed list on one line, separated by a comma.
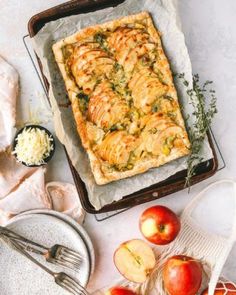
[(19, 276)]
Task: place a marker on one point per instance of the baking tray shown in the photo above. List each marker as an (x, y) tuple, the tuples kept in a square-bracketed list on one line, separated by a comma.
[(172, 184)]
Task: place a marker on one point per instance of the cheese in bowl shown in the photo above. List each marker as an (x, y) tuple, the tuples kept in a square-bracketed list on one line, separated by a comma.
[(123, 97), (33, 146)]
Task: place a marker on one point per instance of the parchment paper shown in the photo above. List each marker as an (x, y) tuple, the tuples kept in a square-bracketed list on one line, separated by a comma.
[(166, 20)]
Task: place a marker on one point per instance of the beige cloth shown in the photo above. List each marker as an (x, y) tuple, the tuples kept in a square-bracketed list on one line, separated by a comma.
[(23, 188), (8, 95), (11, 173), (30, 194), (65, 199)]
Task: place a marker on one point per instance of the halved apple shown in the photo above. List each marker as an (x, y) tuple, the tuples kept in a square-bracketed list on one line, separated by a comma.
[(135, 260)]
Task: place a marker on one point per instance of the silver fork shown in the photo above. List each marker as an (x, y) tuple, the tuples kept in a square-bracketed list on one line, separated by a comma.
[(61, 278), (57, 254)]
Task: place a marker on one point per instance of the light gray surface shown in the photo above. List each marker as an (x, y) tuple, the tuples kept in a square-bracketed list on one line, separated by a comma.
[(47, 230), (210, 33)]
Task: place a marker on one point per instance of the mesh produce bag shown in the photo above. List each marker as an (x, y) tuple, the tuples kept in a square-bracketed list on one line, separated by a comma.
[(210, 247)]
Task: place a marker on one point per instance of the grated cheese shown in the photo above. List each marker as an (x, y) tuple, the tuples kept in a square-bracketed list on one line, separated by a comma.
[(33, 146)]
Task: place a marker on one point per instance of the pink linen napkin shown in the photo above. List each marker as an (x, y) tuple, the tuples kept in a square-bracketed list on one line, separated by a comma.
[(65, 199), (11, 173), (8, 94), (30, 194), (23, 188)]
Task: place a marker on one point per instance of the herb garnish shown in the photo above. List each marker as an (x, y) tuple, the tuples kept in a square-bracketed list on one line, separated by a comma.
[(155, 108), (113, 87), (83, 101), (83, 96), (117, 67), (100, 38), (113, 128), (203, 113)]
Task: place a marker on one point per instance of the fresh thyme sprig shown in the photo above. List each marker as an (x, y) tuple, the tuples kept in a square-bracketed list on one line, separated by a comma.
[(203, 114)]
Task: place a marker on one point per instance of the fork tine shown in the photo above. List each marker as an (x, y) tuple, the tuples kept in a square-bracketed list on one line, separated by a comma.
[(75, 285), (65, 251), (69, 260), (64, 263), (68, 288), (71, 252), (72, 287), (72, 265)]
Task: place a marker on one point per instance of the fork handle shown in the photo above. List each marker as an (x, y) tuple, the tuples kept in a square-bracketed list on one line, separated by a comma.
[(21, 250), (29, 248), (10, 234)]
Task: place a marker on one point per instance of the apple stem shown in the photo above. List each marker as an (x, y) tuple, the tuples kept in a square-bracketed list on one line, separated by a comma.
[(161, 227)]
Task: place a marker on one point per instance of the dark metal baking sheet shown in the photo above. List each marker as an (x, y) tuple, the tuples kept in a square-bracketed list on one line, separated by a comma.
[(172, 184)]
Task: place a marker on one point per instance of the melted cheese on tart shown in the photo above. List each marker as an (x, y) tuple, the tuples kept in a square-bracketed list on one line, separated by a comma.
[(141, 53), (126, 96), (106, 108), (88, 63), (124, 39), (132, 46), (159, 134), (116, 148), (146, 89), (95, 134)]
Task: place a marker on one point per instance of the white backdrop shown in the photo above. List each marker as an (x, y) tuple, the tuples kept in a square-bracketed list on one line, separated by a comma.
[(210, 32)]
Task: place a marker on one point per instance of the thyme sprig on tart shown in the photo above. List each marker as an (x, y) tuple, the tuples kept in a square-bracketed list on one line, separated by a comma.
[(203, 100)]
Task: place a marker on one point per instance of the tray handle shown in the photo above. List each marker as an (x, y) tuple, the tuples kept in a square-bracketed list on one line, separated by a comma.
[(71, 5)]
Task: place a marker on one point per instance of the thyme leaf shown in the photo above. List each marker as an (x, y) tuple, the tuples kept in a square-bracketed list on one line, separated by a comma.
[(203, 113), (100, 38), (83, 102), (83, 96)]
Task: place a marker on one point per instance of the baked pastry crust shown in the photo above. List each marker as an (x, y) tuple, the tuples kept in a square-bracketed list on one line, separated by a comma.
[(123, 97)]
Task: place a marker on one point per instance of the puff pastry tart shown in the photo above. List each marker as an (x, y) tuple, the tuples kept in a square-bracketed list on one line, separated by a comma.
[(123, 97)]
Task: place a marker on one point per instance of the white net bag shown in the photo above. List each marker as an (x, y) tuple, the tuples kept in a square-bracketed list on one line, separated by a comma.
[(208, 232)]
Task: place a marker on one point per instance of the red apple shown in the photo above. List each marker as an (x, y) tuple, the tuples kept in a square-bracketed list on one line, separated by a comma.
[(118, 290), (159, 225), (135, 260), (182, 275), (226, 288)]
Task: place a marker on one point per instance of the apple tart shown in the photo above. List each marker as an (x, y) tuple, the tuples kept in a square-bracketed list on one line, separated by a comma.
[(123, 97)]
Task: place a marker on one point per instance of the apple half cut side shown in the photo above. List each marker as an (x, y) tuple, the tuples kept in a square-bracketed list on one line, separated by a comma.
[(135, 260)]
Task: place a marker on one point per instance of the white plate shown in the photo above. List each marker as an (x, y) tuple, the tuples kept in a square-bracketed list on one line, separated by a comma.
[(20, 276), (79, 228)]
